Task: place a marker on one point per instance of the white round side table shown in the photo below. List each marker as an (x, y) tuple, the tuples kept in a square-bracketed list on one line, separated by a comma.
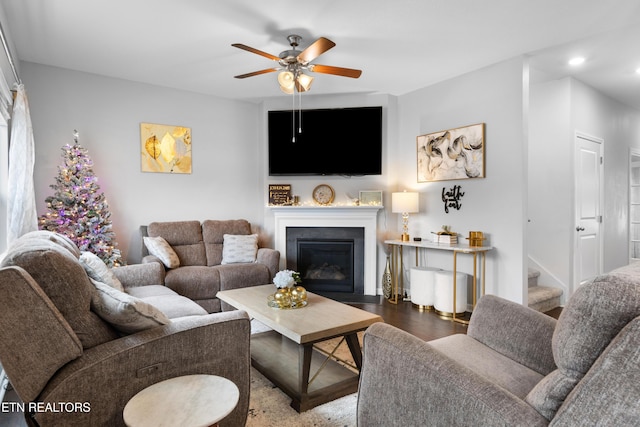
[(190, 400)]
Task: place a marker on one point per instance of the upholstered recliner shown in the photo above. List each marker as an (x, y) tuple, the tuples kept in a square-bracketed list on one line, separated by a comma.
[(77, 369), (515, 366), (205, 260)]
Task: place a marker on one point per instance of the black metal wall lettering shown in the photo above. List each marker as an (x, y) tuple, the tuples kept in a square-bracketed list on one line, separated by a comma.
[(452, 198)]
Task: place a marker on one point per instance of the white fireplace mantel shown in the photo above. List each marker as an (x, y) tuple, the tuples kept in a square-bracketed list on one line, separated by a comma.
[(332, 216)]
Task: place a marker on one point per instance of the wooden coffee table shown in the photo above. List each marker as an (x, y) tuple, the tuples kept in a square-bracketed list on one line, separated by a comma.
[(286, 355)]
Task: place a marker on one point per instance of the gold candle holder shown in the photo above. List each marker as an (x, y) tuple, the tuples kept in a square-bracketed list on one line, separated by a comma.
[(476, 238)]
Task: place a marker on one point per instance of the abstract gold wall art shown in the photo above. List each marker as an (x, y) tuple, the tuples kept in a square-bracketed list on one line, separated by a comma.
[(165, 148), (451, 154)]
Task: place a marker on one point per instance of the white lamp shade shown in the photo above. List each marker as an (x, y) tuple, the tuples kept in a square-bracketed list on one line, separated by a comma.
[(287, 89), (285, 78), (405, 202), (303, 83)]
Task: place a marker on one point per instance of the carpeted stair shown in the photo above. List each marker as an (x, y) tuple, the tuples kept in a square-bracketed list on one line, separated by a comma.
[(542, 298)]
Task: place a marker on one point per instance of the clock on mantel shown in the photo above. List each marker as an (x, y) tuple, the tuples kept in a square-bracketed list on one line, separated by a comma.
[(323, 194)]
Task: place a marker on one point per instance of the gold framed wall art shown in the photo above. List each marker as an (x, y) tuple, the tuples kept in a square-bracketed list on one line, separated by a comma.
[(165, 148), (451, 154)]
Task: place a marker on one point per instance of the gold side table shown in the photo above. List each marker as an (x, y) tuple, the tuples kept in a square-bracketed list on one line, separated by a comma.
[(397, 266)]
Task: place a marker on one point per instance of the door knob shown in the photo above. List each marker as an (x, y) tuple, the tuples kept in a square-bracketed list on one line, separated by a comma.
[(579, 228)]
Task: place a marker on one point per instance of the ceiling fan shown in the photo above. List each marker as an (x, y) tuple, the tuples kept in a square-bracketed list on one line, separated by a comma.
[(293, 62)]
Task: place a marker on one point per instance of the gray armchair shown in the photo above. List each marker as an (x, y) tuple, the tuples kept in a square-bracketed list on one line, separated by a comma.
[(55, 349), (515, 366)]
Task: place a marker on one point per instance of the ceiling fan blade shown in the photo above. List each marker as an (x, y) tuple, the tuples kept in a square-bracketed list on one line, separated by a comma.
[(316, 49), (256, 73), (256, 51), (338, 71)]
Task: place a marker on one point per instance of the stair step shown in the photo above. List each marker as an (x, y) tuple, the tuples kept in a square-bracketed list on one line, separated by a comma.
[(544, 298)]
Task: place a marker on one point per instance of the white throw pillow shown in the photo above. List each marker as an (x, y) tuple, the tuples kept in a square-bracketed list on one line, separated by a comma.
[(159, 247), (124, 312), (98, 270), (239, 248)]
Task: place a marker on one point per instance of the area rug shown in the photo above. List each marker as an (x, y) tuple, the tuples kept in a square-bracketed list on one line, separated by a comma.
[(269, 406)]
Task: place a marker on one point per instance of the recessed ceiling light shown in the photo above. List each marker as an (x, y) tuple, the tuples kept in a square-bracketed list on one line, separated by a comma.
[(576, 61)]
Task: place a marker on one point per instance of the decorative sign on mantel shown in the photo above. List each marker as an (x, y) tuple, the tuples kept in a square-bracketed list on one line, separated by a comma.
[(280, 194), (452, 198)]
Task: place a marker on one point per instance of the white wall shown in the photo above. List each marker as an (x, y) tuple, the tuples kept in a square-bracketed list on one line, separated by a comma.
[(226, 181), (229, 178), (496, 204), (559, 108), (550, 192)]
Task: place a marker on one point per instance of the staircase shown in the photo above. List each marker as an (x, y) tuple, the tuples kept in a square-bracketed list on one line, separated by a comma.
[(542, 298)]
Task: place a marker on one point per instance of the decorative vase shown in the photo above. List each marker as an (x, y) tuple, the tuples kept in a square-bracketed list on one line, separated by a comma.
[(285, 298), (298, 297), (386, 280)]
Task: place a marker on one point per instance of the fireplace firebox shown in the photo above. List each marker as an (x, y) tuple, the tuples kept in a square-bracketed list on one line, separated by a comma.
[(329, 259)]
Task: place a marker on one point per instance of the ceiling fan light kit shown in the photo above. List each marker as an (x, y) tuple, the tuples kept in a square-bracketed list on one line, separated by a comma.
[(293, 62)]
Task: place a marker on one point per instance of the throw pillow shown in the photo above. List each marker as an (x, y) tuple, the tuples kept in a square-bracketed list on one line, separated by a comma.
[(124, 312), (239, 248), (159, 247), (549, 394), (98, 270)]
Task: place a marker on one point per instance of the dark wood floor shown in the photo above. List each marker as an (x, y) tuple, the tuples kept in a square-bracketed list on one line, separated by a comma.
[(426, 325)]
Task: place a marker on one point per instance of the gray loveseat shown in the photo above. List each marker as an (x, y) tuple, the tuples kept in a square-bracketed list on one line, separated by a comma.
[(515, 366), (202, 270), (57, 348)]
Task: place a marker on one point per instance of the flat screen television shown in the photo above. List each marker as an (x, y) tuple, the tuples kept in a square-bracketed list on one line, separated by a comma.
[(333, 141)]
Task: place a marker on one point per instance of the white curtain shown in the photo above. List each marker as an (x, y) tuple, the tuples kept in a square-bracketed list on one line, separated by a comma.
[(22, 216)]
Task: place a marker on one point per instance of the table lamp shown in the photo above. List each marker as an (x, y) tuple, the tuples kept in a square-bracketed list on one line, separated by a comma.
[(405, 203)]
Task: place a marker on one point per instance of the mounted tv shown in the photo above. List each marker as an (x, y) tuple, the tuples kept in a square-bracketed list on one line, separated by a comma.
[(337, 141)]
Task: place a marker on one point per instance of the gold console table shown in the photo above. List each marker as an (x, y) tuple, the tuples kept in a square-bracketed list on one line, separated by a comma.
[(397, 266)]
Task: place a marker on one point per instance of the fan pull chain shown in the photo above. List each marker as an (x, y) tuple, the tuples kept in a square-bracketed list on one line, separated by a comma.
[(293, 117), (299, 112)]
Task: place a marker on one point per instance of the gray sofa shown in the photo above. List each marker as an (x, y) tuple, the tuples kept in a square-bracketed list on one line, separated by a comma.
[(66, 336), (515, 366), (200, 248)]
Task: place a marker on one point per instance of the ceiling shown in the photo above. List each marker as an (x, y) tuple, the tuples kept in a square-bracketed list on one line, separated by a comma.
[(401, 46)]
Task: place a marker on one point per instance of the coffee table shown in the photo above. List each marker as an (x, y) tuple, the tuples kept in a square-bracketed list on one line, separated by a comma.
[(286, 356)]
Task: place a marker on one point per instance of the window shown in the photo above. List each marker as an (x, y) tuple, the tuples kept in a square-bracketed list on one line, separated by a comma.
[(634, 204)]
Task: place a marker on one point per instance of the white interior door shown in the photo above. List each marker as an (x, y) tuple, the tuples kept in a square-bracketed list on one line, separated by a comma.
[(588, 222)]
